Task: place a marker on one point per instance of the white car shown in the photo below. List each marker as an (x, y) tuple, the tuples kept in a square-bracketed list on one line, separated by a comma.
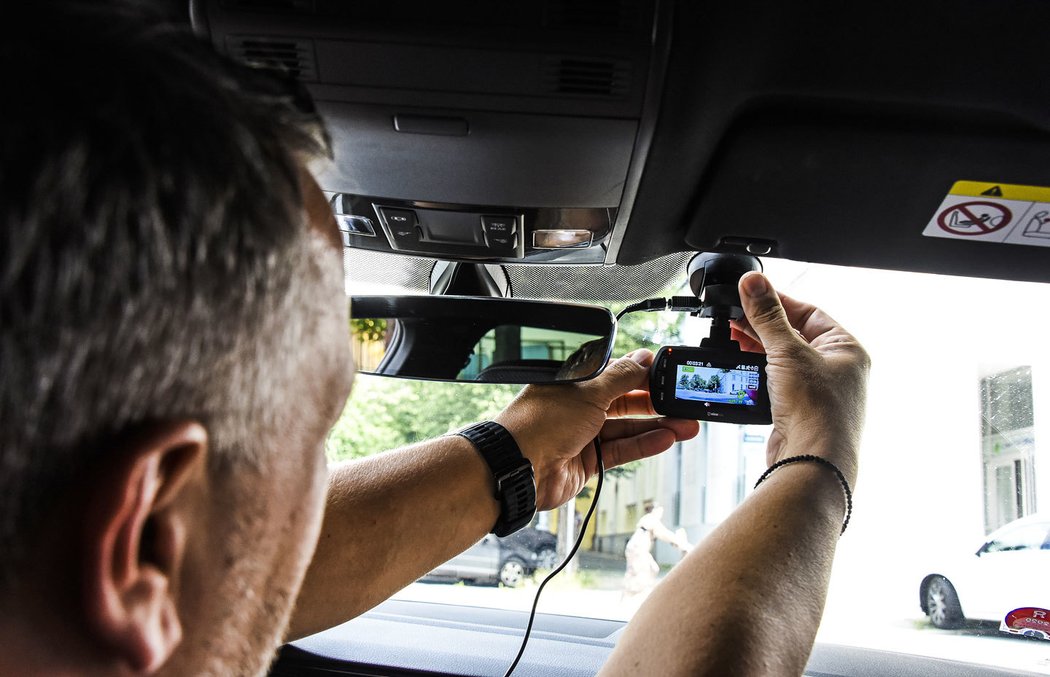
[(1007, 572)]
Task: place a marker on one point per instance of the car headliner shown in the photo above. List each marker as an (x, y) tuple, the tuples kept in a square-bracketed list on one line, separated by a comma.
[(831, 130)]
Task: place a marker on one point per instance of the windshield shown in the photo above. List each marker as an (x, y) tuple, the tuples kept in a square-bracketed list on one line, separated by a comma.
[(957, 445)]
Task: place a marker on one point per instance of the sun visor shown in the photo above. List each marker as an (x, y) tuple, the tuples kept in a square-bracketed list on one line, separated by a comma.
[(924, 191)]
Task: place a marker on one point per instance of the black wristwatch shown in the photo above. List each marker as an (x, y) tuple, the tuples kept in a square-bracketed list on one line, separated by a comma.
[(515, 481)]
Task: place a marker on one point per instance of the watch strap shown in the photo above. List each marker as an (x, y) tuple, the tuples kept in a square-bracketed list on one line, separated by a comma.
[(512, 472)]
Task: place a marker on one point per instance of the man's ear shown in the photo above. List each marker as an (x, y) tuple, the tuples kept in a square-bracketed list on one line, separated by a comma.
[(139, 515)]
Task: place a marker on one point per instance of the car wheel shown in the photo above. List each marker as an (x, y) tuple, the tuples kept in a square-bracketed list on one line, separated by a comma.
[(942, 604), (547, 558), (512, 573)]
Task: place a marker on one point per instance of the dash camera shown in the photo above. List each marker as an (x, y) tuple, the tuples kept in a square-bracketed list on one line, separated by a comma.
[(716, 381), (726, 385)]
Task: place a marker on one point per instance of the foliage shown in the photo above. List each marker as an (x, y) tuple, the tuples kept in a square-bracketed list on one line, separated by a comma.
[(648, 330), (368, 328), (385, 413), (626, 470)]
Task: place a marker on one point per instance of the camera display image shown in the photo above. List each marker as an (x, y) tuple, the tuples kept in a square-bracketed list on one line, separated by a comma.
[(698, 381)]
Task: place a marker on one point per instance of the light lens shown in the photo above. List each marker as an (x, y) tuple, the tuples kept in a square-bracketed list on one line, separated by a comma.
[(561, 239)]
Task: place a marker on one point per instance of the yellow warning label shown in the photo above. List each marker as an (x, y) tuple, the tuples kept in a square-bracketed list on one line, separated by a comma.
[(1001, 213), (1003, 191)]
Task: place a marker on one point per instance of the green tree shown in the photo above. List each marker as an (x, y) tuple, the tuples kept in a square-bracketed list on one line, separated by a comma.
[(367, 328), (647, 330), (387, 413)]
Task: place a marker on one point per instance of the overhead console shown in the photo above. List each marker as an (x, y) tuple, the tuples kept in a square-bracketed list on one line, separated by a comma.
[(470, 232), (493, 131)]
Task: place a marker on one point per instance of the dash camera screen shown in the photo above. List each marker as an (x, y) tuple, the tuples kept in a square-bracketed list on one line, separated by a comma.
[(698, 381)]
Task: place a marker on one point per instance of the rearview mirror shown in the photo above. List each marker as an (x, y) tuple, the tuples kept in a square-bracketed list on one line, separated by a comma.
[(480, 340)]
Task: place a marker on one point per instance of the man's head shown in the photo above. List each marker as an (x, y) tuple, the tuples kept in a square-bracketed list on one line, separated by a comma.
[(173, 343)]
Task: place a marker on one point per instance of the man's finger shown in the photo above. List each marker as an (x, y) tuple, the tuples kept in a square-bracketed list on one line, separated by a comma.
[(683, 429), (627, 449), (812, 322), (634, 403), (765, 313), (621, 376)]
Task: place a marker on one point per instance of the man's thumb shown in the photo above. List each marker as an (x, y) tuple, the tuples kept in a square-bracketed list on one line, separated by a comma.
[(625, 374), (764, 311)]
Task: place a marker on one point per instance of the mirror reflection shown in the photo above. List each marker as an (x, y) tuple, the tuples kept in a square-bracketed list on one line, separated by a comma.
[(479, 340)]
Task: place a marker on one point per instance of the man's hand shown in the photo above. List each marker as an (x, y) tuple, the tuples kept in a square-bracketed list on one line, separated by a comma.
[(816, 373), (555, 426), (392, 517), (771, 558)]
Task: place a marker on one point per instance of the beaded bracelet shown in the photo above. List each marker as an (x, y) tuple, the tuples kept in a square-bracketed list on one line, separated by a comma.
[(824, 462)]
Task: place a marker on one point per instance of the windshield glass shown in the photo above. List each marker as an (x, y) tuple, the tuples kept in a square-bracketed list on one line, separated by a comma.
[(956, 446)]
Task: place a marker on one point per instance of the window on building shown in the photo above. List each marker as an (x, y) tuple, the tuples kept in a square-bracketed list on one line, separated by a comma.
[(631, 515), (1006, 401), (1007, 446)]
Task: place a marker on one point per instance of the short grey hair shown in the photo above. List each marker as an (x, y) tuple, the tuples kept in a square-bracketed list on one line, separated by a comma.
[(154, 258)]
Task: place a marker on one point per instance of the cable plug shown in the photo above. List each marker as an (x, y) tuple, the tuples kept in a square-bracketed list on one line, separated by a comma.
[(647, 305), (684, 304)]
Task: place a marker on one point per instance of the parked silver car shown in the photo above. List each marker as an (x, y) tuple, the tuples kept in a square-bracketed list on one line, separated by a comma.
[(507, 561)]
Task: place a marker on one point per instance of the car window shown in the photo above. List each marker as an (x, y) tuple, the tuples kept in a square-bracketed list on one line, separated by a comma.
[(956, 446), (1026, 537)]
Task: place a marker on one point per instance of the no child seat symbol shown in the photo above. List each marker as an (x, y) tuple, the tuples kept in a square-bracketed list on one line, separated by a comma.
[(974, 218)]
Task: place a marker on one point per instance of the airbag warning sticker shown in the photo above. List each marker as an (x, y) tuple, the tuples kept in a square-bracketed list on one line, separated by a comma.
[(993, 212)]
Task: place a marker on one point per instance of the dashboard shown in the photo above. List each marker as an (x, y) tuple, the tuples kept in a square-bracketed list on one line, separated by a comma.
[(423, 638)]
